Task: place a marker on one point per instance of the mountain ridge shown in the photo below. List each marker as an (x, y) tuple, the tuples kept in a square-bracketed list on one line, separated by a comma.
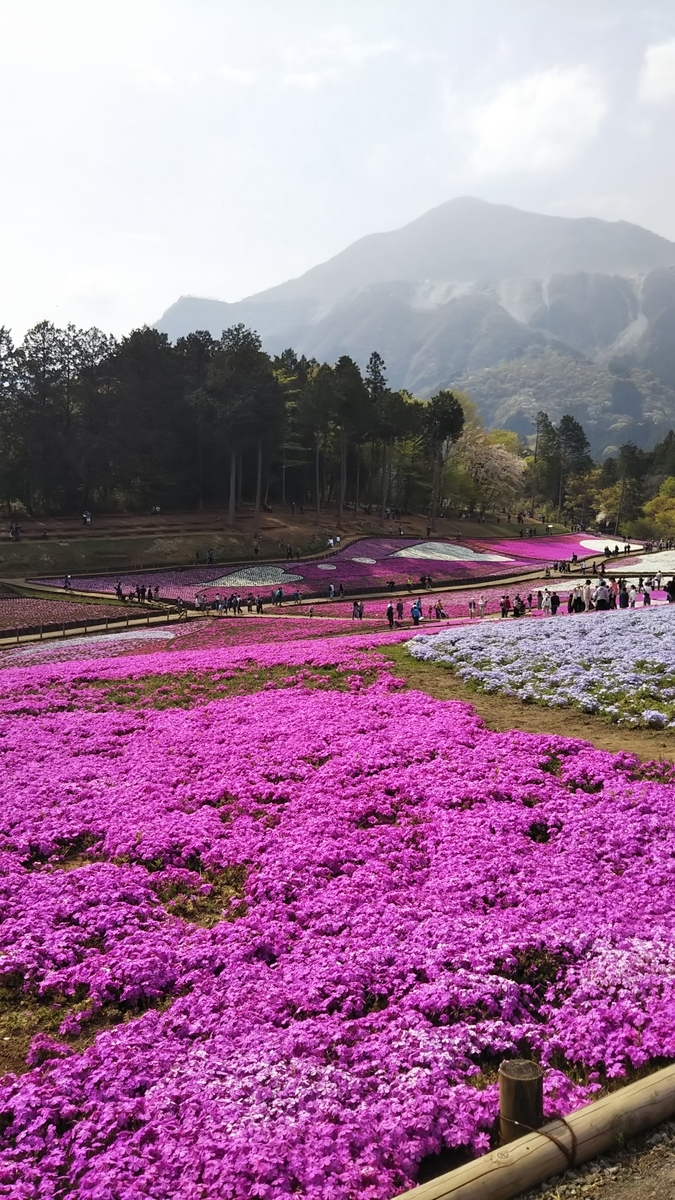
[(472, 286)]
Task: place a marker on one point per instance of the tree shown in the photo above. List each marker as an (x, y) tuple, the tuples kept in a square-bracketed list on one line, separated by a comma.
[(443, 424), (496, 473), (194, 354), (315, 405), (661, 510), (573, 452), (242, 388), (349, 400)]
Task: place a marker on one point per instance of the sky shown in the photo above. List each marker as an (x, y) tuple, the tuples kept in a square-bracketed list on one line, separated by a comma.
[(157, 148)]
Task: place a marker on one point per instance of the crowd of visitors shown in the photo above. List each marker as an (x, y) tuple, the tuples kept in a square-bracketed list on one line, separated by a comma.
[(589, 596)]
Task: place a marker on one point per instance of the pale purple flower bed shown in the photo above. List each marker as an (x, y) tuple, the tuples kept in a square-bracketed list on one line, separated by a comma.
[(423, 897), (315, 576)]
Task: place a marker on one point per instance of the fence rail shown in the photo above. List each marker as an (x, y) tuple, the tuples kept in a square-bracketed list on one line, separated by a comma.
[(63, 629)]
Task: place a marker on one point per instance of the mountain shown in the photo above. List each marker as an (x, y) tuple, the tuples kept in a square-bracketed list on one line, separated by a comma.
[(522, 309)]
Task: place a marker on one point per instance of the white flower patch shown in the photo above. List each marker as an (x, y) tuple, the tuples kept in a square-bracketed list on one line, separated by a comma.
[(254, 577), (326, 567), (599, 544), (368, 561), (443, 552), (662, 560)]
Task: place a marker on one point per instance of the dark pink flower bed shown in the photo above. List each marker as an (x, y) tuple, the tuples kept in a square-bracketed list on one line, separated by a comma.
[(28, 612)]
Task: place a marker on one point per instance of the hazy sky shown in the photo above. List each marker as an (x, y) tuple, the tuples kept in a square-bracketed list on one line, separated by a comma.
[(154, 148)]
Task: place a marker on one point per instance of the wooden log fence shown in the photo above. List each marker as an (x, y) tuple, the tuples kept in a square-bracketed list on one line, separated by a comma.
[(530, 1160), (13, 637)]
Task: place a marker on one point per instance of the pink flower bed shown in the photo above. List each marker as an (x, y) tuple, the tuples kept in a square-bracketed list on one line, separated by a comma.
[(417, 897), (546, 548), (29, 612)]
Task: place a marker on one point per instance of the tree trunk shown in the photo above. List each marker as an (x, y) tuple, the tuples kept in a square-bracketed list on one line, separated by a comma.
[(384, 481), (283, 479), (317, 477), (343, 475), (258, 485), (233, 486), (358, 480), (618, 508), (435, 488), (200, 471), (240, 477)]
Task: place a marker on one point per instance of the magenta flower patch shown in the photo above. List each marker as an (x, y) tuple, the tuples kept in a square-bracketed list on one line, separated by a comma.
[(306, 923)]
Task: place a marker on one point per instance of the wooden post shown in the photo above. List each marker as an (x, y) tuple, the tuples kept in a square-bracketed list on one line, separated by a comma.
[(521, 1098), (525, 1163)]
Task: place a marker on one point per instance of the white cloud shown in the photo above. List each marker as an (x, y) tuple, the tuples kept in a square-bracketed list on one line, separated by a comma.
[(330, 59), (236, 75), (537, 123), (657, 78), (150, 79)]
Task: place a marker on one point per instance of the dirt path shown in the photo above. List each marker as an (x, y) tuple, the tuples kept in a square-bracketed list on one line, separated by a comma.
[(503, 713), (642, 1170)]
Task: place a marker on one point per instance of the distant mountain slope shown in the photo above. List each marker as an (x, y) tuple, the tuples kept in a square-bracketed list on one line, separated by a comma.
[(472, 286)]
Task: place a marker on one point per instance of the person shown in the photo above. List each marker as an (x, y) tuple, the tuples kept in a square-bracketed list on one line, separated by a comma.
[(529, 601), (623, 596), (296, 596), (390, 615), (399, 610), (341, 591), (256, 549), (331, 591), (415, 614), (546, 603), (555, 603), (67, 583), (587, 595), (355, 609), (196, 556), (311, 610), (481, 605), (632, 595), (540, 598), (409, 584), (209, 558), (361, 610), (118, 589), (472, 607), (647, 593), (570, 601), (602, 597)]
